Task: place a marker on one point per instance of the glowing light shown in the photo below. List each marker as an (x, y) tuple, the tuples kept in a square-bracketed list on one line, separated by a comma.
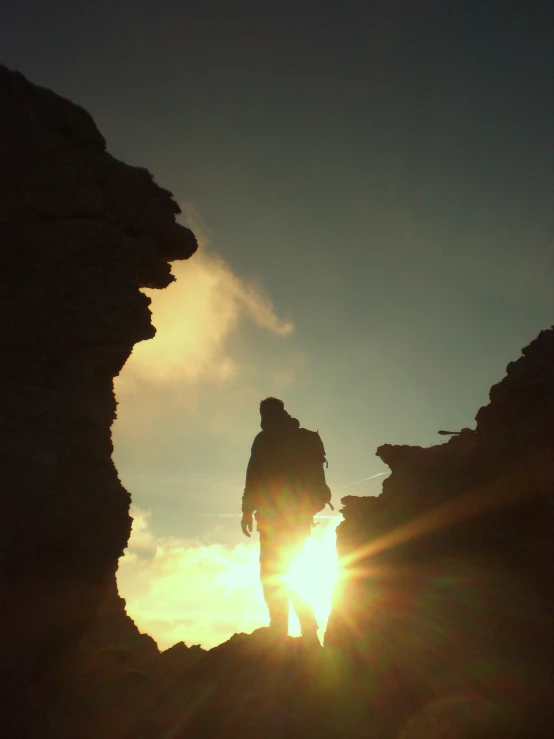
[(157, 576), (314, 572)]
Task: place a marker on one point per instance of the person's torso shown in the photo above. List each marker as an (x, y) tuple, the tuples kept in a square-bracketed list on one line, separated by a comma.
[(283, 489)]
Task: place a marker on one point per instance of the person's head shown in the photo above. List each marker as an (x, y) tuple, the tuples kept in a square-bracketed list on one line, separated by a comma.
[(275, 417), (271, 408)]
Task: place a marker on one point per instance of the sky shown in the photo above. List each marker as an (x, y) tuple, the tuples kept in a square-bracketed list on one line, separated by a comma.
[(371, 184)]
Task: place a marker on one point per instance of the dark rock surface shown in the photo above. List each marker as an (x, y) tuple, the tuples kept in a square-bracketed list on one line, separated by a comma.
[(113, 629), (80, 233), (450, 580), (250, 686)]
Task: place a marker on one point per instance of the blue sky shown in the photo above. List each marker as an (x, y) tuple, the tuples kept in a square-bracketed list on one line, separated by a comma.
[(372, 184)]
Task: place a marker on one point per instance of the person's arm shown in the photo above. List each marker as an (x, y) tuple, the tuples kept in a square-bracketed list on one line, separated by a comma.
[(251, 485), (250, 490)]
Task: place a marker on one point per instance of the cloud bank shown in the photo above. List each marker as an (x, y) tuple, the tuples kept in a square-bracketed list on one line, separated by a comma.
[(180, 590)]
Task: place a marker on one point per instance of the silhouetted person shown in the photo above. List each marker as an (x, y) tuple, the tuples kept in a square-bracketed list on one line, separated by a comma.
[(285, 488)]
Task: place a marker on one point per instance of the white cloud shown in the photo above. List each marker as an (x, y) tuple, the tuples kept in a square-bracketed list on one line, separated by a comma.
[(196, 316), (181, 590)]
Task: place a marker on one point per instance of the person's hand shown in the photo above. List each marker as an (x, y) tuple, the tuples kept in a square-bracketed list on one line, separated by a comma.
[(246, 524)]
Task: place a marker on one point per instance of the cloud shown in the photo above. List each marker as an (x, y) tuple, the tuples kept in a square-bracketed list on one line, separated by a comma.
[(183, 590), (196, 316)]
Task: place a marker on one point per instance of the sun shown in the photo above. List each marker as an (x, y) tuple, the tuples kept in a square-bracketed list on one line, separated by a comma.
[(314, 572)]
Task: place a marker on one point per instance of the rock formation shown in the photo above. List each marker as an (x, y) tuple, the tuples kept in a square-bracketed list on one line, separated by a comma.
[(450, 584), (80, 233), (113, 629)]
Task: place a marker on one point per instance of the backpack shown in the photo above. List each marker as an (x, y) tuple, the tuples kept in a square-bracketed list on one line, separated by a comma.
[(286, 474), (310, 459)]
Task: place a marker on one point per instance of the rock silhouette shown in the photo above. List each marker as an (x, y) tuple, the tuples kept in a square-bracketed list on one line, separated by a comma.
[(112, 628), (454, 560), (81, 232), (443, 624)]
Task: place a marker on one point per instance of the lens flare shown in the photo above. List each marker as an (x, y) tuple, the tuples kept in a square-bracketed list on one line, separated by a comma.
[(314, 572)]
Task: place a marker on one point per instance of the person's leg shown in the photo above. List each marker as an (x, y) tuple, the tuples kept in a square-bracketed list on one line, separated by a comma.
[(271, 575), (295, 545), (305, 613)]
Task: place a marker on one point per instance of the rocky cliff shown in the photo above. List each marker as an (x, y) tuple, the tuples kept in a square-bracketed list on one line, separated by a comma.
[(81, 233), (113, 630), (450, 574)]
